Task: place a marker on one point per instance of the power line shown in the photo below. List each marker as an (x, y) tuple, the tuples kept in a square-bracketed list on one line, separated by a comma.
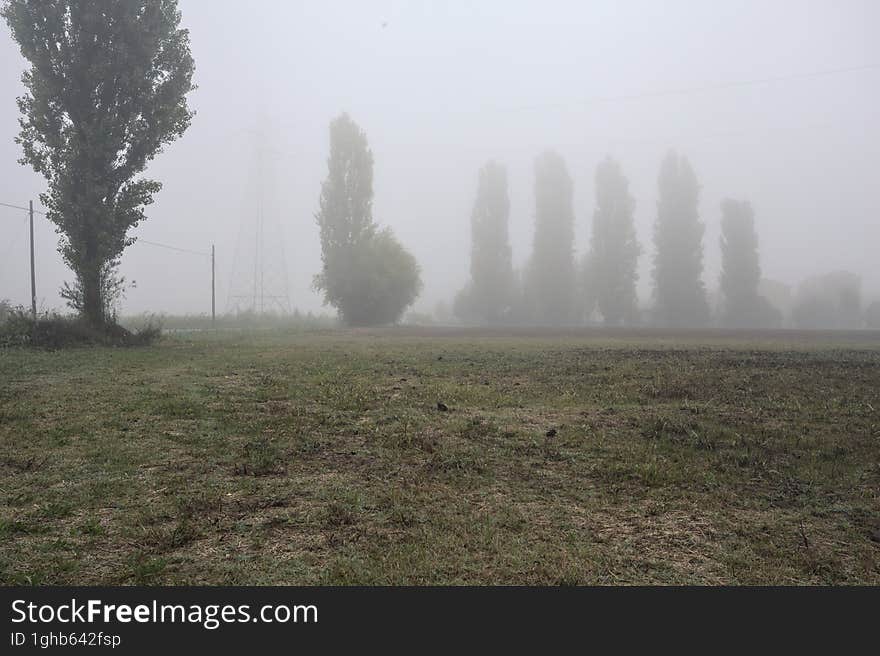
[(706, 87), (622, 140), (30, 210), (151, 243), (192, 252), (172, 248), (24, 209)]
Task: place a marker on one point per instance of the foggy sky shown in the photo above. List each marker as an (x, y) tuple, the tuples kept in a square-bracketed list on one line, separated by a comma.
[(444, 86)]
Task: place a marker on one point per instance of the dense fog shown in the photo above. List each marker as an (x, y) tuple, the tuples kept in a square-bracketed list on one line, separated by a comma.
[(774, 105)]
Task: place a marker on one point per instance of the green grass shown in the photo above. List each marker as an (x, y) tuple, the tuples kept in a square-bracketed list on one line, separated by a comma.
[(322, 458)]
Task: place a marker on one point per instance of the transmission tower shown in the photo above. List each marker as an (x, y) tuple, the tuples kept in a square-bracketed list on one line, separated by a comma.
[(259, 282)]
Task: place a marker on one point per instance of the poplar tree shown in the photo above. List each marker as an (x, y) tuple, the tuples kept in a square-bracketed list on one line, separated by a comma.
[(743, 307), (105, 92), (551, 273), (614, 251), (366, 274), (679, 291), (491, 286)]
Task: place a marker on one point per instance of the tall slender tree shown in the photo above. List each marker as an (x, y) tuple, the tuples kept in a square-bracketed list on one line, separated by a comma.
[(492, 280), (345, 217), (551, 283), (614, 251), (744, 307), (366, 275), (679, 291), (105, 91)]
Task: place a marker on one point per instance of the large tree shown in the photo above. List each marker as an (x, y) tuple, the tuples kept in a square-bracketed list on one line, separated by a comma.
[(489, 294), (614, 252), (551, 274), (743, 307), (366, 275), (105, 91), (678, 236)]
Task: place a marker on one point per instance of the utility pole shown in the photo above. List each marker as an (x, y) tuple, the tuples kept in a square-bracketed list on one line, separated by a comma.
[(33, 276), (213, 304)]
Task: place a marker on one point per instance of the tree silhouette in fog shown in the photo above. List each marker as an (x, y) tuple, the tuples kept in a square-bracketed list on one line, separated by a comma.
[(614, 251), (550, 284), (679, 292), (366, 275), (489, 294), (743, 307)]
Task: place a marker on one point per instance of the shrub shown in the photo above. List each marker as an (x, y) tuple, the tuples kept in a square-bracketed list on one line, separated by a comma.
[(54, 331), (374, 285)]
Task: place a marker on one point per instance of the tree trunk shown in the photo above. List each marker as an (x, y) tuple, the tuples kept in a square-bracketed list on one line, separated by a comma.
[(93, 304)]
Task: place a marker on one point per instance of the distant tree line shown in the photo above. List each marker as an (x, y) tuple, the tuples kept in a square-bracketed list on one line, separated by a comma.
[(554, 290)]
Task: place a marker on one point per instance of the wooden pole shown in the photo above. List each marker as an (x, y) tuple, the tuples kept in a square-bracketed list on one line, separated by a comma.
[(33, 275), (213, 302)]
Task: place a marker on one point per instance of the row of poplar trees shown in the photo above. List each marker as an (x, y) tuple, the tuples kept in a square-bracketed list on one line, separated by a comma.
[(553, 289)]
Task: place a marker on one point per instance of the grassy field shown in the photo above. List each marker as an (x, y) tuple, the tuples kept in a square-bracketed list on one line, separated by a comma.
[(561, 458)]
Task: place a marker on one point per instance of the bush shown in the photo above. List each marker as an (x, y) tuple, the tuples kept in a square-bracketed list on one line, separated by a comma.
[(6, 310), (54, 331), (414, 318), (376, 281)]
